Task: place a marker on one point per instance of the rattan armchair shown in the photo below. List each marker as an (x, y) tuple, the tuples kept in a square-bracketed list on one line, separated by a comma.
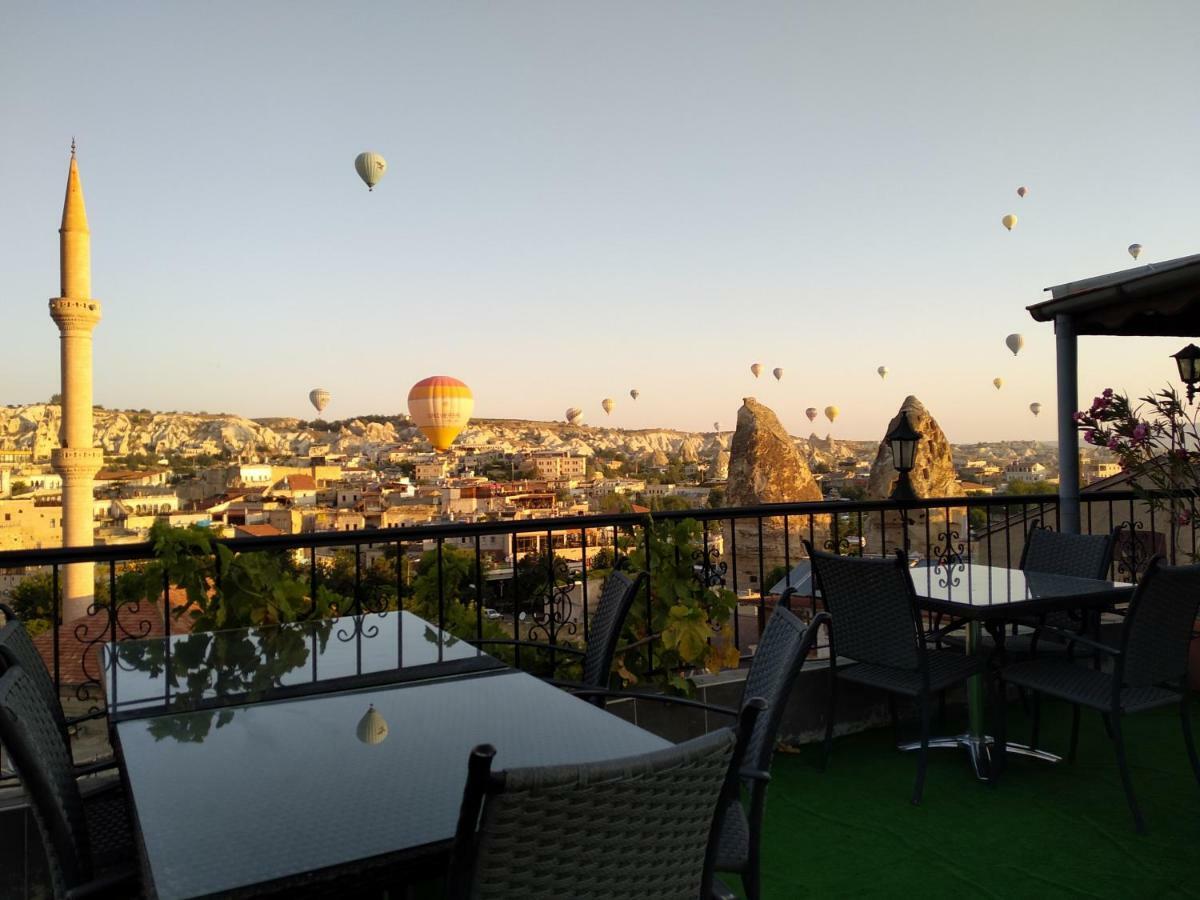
[(88, 840), (604, 632), (1149, 667), (877, 624), (17, 649), (642, 826)]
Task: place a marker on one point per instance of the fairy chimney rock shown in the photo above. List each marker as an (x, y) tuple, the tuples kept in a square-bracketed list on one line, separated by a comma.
[(764, 465), (933, 473)]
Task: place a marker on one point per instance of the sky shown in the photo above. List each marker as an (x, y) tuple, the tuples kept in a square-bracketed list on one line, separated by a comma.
[(584, 198)]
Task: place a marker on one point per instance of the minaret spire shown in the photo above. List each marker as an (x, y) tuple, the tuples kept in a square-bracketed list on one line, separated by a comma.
[(76, 460)]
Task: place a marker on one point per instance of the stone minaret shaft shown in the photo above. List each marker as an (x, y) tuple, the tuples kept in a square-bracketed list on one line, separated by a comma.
[(77, 461)]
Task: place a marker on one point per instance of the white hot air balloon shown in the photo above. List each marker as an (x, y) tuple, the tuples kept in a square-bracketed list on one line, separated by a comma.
[(371, 168), (608, 403), (319, 398), (635, 393), (1015, 342), (882, 370), (716, 426), (1035, 408), (372, 727), (778, 373), (756, 368), (1135, 250), (574, 415)]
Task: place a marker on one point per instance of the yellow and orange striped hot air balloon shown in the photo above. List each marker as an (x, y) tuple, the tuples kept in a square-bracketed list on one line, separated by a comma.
[(441, 407)]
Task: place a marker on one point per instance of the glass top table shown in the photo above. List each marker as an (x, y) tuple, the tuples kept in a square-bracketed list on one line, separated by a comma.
[(249, 795), (988, 593), (221, 668)]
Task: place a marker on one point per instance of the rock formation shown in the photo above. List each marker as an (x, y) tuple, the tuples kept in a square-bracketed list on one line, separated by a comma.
[(932, 475), (765, 467)]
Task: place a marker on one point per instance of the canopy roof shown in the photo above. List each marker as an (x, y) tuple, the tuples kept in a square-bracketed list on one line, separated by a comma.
[(1157, 299)]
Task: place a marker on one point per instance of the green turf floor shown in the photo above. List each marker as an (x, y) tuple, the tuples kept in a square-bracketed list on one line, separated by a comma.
[(1046, 830)]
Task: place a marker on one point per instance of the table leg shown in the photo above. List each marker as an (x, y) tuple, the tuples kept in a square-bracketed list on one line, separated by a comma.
[(976, 741)]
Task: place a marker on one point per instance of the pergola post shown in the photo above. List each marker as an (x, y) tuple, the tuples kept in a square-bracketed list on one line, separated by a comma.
[(1068, 435)]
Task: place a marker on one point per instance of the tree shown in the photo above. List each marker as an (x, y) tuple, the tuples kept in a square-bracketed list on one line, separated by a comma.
[(716, 498)]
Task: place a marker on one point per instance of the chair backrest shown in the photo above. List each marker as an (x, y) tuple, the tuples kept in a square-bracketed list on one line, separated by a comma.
[(873, 605), (30, 736), (1158, 627), (1058, 553), (784, 646), (16, 649), (644, 826), (604, 628)]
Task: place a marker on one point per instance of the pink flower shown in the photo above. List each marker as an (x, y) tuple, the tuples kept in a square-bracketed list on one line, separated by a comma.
[(1107, 394), (1184, 517), (1089, 436), (1078, 417), (1139, 432), (1113, 443)]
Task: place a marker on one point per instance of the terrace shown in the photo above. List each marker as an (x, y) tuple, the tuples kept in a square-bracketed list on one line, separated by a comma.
[(857, 809)]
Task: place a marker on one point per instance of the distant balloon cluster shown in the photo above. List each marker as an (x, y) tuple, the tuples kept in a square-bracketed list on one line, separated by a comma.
[(1010, 222)]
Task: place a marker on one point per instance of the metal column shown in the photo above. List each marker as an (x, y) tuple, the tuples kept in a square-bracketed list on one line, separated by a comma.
[(1068, 434)]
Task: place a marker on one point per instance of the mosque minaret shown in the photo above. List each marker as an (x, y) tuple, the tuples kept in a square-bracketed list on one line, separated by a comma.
[(77, 460)]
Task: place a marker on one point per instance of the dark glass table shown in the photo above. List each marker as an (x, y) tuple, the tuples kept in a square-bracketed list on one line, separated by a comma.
[(991, 597), (226, 799), (222, 668)]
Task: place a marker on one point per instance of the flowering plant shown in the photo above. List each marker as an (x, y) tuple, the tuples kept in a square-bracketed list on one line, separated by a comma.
[(1157, 441)]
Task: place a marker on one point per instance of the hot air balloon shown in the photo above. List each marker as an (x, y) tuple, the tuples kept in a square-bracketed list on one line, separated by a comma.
[(716, 426), (1135, 250), (1022, 191), (811, 412), (371, 168), (574, 414), (1009, 221), (608, 403), (319, 398), (1015, 342), (882, 370), (635, 393), (778, 373), (831, 413), (756, 368), (1035, 408), (441, 407), (998, 382)]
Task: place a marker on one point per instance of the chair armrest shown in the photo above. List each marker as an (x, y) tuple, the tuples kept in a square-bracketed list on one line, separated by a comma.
[(93, 767), (660, 698), (1072, 637), (104, 886), (754, 775)]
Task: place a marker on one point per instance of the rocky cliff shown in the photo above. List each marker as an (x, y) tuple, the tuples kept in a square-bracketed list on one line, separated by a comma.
[(766, 467), (935, 533)]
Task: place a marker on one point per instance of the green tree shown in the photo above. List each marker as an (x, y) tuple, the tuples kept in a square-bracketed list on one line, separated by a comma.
[(716, 498)]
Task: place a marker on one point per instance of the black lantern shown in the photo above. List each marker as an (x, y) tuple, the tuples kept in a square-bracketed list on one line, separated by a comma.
[(1188, 360), (903, 441)]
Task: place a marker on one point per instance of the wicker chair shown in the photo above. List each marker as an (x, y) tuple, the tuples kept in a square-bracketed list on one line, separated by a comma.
[(877, 624), (16, 649), (1053, 553), (642, 826), (88, 840), (616, 597), (782, 649), (1149, 667)]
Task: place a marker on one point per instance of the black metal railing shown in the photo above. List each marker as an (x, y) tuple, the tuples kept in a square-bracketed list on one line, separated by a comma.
[(476, 580)]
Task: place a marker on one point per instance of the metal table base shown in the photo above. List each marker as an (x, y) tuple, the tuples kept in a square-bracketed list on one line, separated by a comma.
[(979, 749)]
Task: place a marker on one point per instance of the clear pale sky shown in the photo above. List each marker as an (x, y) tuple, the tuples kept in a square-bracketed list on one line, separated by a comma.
[(587, 197)]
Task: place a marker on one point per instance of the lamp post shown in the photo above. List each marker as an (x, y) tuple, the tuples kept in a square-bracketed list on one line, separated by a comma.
[(903, 441), (1188, 360)]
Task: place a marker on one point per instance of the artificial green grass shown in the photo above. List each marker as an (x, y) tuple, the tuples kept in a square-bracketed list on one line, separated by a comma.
[(1045, 830)]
